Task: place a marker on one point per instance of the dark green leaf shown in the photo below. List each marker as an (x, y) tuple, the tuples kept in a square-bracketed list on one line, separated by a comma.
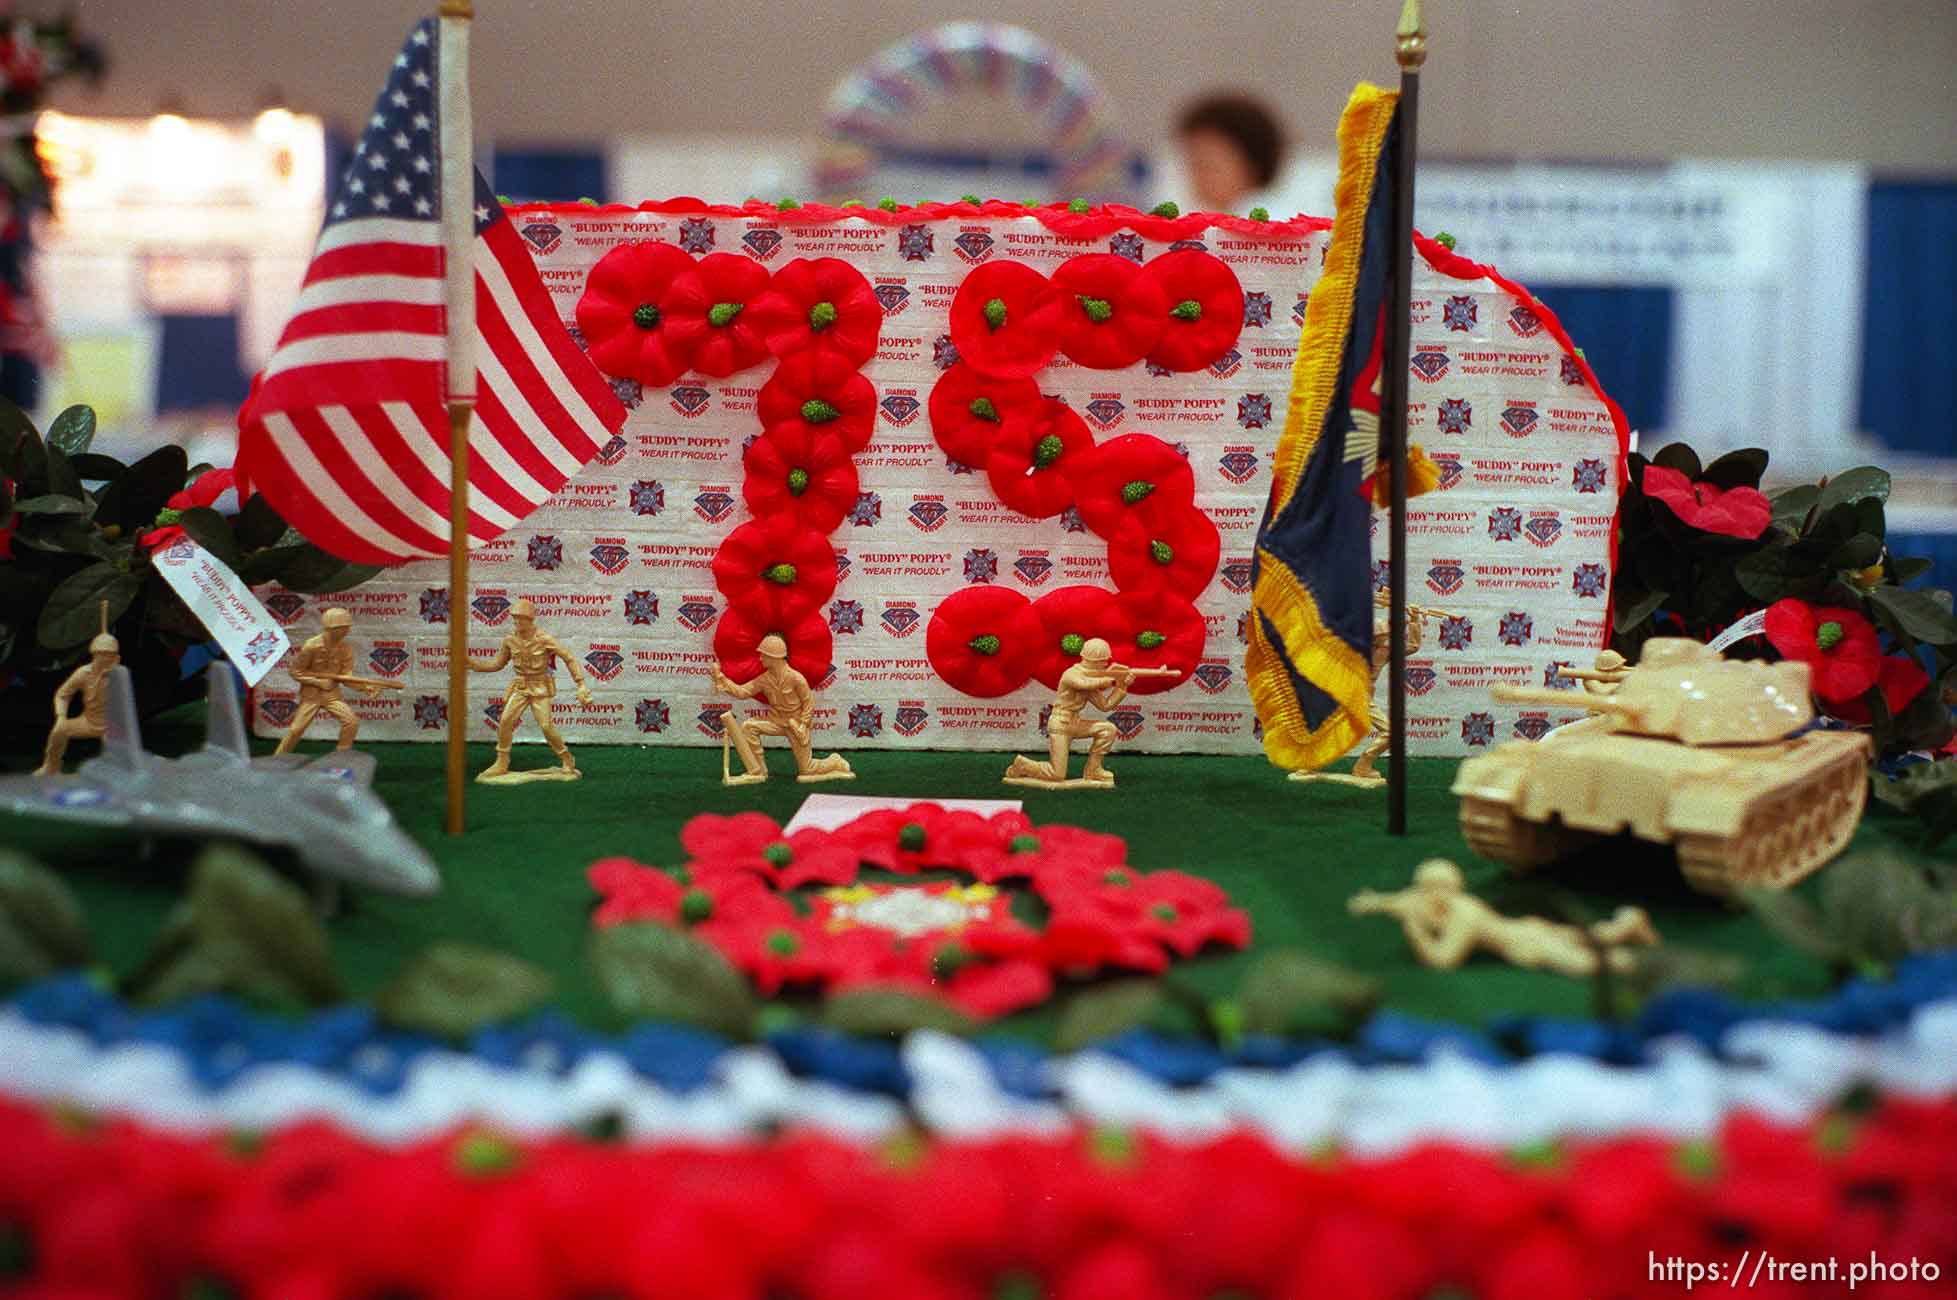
[(1105, 1011), (16, 433), (1657, 970), (1924, 723), (654, 972), (72, 430), (1928, 792), (52, 504), (1919, 613), (1858, 552), (451, 990), (73, 612), (1289, 994), (1776, 572), (258, 525), (261, 567), (1882, 725), (1870, 517), (1855, 485), (30, 472), (1791, 505), (316, 573), (41, 928), (1905, 569), (172, 944), (259, 930), (97, 468), (212, 531), (132, 501), (1880, 908), (891, 1013), (62, 478), (6, 497), (1741, 468), (1794, 921), (1632, 613), (1680, 457)]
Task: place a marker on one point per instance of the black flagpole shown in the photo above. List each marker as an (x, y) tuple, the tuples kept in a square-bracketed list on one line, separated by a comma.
[(1411, 51)]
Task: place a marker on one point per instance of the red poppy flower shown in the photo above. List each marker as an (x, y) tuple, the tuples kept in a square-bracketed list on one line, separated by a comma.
[(737, 638), (805, 475), (1900, 678), (1069, 618), (732, 339), (1205, 309), (775, 570), (1122, 473), (927, 835), (752, 843), (1027, 464), (982, 640), (1164, 547), (643, 313), (824, 393), (1839, 646), (772, 953), (820, 304), (636, 893), (1005, 319), (1111, 313), (1159, 629), (987, 989), (202, 493), (968, 410), (1731, 512)]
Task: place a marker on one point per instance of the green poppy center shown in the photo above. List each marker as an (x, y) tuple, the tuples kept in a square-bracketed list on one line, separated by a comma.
[(1136, 490), (910, 838), (798, 482), (646, 316), (1829, 635), (1187, 309), (778, 854), (782, 574), (817, 411), (983, 408), (1072, 643), (1161, 552), (1048, 450), (1099, 310), (782, 943), (822, 315), (723, 313), (1150, 640), (696, 906), (985, 643), (995, 313)]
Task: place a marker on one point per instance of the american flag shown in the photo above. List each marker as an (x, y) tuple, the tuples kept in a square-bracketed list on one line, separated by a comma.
[(347, 435)]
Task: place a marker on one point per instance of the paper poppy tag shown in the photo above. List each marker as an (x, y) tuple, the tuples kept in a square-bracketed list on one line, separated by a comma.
[(1752, 625), (219, 599), (828, 811)]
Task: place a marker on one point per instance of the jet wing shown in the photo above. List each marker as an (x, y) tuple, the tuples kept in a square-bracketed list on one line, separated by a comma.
[(73, 799), (344, 765)]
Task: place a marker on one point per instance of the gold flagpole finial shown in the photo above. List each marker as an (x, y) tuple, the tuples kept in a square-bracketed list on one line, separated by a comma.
[(1411, 46), (462, 9)]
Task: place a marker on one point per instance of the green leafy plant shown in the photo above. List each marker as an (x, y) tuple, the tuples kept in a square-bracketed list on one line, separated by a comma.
[(1873, 909), (72, 528), (451, 990), (41, 928)]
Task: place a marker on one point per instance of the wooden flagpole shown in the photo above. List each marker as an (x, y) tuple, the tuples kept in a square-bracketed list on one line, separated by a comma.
[(459, 239), (1411, 51)]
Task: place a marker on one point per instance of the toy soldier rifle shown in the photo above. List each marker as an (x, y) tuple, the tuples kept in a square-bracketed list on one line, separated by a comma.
[(1592, 674), (1383, 600), (1123, 670), (348, 679)]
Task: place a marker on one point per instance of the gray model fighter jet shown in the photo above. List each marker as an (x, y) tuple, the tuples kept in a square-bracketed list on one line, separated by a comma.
[(322, 809)]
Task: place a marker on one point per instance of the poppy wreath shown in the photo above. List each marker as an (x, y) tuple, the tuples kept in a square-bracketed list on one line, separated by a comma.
[(775, 570), (1158, 629), (1123, 473), (1164, 546), (737, 639), (1070, 617), (1006, 320), (823, 393), (820, 306), (733, 339), (1027, 465), (108, 1208), (957, 941), (643, 313), (983, 640), (1205, 309), (1112, 312), (797, 472), (968, 409)]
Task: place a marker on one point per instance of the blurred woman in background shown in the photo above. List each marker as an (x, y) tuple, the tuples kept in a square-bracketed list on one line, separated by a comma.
[(1232, 149)]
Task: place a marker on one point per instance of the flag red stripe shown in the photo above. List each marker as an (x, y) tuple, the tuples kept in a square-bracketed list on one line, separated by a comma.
[(338, 460), (520, 269), (557, 422), (390, 441), (288, 494), (503, 426), (483, 480), (423, 261), (367, 318), (350, 382)]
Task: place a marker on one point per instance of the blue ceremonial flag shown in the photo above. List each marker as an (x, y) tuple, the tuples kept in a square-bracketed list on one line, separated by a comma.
[(1309, 661)]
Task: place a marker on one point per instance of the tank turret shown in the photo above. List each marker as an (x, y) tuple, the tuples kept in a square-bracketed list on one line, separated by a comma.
[(1685, 748)]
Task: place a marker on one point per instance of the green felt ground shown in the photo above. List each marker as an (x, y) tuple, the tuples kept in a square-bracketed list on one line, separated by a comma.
[(1289, 853)]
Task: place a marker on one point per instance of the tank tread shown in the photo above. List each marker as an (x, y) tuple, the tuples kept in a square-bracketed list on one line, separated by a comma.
[(1786, 837), (1494, 832)]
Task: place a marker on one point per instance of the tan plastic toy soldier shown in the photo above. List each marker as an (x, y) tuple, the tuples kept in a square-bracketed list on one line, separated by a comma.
[(323, 665), (535, 656), (791, 709), (1095, 680), (1363, 771), (91, 682), (1445, 925)]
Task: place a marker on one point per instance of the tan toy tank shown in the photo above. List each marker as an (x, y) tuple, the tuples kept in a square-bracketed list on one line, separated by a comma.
[(1686, 748)]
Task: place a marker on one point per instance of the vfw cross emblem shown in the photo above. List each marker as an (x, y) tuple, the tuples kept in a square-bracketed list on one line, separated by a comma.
[(1518, 421), (695, 615), (1572, 373), (1429, 365), (388, 660), (646, 497), (1444, 579), (1457, 632), (1587, 475), (846, 617), (696, 234), (1126, 244), (1454, 414), (261, 647), (1554, 679), (430, 712), (1458, 312), (610, 558), (915, 243), (1504, 524), (1257, 310), (867, 510), (910, 719), (865, 720), (981, 565), (651, 716), (641, 607), (546, 553), (1254, 410), (434, 605), (604, 664), (1478, 729), (285, 606), (1516, 628), (761, 244), (1588, 580), (490, 610), (944, 353)]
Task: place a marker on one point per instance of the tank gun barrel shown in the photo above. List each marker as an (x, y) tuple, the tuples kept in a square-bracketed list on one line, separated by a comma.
[(1551, 698), (1593, 674)]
